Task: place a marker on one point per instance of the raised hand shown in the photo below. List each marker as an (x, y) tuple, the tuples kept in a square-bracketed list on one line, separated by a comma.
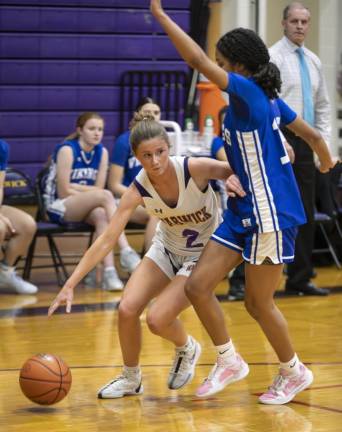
[(66, 295)]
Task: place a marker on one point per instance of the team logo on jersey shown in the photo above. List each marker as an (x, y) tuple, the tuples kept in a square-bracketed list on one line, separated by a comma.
[(246, 223), (158, 211)]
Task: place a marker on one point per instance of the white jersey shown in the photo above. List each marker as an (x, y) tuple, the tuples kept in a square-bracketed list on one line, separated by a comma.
[(185, 228)]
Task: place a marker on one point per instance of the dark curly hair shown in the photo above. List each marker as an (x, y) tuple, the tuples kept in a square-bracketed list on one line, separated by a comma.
[(244, 46)]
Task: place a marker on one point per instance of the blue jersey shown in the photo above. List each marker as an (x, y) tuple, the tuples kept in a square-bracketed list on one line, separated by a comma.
[(122, 155), (4, 151), (256, 152), (84, 169)]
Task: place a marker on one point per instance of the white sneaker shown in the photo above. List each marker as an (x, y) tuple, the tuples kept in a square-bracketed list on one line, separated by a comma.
[(11, 282), (285, 386), (90, 279), (129, 259), (223, 374), (123, 385), (111, 280), (183, 368)]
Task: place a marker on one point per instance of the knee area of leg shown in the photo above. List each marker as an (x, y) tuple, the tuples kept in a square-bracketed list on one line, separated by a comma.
[(108, 196), (193, 290), (126, 311), (100, 214), (28, 226), (154, 322), (251, 308)]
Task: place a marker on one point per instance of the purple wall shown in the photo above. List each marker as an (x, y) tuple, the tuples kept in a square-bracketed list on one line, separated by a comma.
[(59, 58)]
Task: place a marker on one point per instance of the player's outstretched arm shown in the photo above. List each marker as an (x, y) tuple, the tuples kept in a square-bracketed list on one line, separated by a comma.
[(314, 139), (188, 49), (103, 245)]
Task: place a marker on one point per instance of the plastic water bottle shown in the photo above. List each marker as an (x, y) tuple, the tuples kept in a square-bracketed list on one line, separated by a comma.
[(188, 135), (208, 132)]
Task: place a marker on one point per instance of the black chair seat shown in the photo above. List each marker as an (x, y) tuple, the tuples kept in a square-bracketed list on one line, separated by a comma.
[(50, 230)]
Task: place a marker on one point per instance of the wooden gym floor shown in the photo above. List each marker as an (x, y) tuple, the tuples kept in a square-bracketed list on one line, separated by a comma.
[(87, 340)]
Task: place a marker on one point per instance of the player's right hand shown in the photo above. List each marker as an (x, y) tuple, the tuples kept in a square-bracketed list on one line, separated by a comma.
[(156, 7), (66, 295)]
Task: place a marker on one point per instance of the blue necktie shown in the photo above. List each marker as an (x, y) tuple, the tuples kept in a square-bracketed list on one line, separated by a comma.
[(308, 109)]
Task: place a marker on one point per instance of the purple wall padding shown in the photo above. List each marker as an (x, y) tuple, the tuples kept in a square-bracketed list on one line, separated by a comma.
[(59, 58)]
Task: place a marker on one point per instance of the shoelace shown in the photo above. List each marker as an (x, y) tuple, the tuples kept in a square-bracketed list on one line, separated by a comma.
[(186, 359), (119, 378), (278, 384)]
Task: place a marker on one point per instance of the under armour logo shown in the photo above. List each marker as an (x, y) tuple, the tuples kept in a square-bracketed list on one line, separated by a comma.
[(158, 210)]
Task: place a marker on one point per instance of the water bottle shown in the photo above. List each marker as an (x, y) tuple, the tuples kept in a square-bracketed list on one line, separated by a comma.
[(208, 132), (188, 134)]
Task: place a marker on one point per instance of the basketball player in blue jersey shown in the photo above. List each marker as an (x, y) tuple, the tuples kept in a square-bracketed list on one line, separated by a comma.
[(177, 191), (74, 192), (259, 228), (124, 167)]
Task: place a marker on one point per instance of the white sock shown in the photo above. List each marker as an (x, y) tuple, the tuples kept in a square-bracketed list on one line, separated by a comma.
[(133, 371), (111, 268), (187, 345), (126, 248), (5, 268), (291, 366), (226, 351)]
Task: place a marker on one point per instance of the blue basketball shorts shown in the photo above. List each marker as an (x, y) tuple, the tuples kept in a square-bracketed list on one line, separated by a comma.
[(56, 211), (275, 247)]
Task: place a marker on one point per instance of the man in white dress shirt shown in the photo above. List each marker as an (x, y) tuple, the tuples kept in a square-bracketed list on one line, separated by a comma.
[(304, 90)]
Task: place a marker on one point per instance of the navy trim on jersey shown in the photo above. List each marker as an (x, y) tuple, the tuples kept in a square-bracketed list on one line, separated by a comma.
[(278, 245), (250, 176), (143, 192), (187, 175)]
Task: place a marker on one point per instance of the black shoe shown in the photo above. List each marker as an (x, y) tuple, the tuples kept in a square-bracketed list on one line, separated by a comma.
[(306, 289), (236, 292)]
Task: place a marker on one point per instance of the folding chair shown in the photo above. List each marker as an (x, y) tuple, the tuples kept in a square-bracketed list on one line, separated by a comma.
[(50, 231), (322, 220)]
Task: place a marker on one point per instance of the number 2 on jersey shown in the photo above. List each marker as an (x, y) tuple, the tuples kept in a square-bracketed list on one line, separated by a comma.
[(191, 236)]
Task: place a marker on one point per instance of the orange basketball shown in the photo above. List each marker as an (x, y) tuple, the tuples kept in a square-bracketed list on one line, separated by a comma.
[(45, 379)]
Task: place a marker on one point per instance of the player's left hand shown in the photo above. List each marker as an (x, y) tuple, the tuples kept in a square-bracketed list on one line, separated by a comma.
[(234, 187), (326, 166)]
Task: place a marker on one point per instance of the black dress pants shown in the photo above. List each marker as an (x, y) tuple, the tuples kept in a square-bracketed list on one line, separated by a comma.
[(300, 271)]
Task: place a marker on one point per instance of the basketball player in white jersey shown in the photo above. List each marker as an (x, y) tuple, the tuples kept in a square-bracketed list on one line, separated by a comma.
[(177, 191)]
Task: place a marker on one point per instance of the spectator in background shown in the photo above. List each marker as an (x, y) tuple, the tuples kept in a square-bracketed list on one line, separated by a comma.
[(17, 229), (304, 90), (124, 166), (237, 277), (75, 192)]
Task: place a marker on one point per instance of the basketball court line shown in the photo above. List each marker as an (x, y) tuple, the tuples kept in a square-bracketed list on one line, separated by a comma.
[(107, 306), (310, 405), (198, 364)]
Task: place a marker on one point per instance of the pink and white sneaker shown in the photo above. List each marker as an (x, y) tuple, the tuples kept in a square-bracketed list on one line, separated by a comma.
[(221, 375), (285, 386)]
